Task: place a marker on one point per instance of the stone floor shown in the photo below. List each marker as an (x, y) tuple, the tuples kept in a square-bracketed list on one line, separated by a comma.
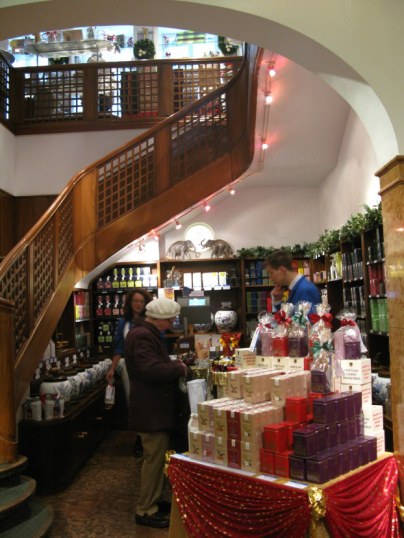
[(100, 501)]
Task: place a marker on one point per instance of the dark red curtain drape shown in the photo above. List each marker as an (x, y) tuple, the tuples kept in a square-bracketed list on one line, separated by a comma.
[(215, 502)]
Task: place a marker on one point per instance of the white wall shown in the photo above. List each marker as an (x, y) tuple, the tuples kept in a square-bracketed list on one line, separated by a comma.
[(7, 160), (352, 183), (52, 160), (260, 217)]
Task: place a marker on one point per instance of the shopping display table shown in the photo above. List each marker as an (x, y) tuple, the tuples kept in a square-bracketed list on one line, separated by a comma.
[(212, 501)]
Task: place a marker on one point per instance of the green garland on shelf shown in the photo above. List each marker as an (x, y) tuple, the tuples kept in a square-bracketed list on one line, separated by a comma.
[(225, 47), (144, 49), (329, 241)]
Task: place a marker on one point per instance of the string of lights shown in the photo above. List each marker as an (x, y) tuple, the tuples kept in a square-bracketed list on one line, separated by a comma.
[(269, 66)]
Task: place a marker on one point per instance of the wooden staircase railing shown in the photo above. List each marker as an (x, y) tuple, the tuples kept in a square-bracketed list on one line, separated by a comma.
[(118, 199), (114, 95)]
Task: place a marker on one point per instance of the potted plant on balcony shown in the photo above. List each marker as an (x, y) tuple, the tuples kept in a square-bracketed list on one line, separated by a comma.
[(225, 47), (144, 49)]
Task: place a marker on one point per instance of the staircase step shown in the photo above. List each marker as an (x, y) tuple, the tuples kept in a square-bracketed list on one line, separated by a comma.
[(32, 520), (15, 490), (8, 469)]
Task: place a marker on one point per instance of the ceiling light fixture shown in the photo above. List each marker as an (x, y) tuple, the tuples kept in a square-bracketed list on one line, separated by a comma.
[(268, 99), (264, 146), (272, 71), (232, 191), (206, 206), (178, 225)]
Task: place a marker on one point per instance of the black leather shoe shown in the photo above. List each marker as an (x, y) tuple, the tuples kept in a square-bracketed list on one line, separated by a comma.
[(164, 507), (157, 521)]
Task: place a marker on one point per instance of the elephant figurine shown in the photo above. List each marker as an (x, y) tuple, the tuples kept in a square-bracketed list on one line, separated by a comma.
[(181, 250), (218, 248)]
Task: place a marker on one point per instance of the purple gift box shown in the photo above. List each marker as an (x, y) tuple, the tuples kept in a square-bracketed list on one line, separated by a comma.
[(340, 405), (305, 442), (351, 428), (333, 462), (324, 410), (342, 432), (344, 463), (372, 446), (353, 403), (318, 469), (297, 468), (363, 450), (352, 450), (320, 382), (359, 425)]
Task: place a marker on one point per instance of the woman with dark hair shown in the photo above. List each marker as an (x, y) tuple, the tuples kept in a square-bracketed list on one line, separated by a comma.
[(134, 308)]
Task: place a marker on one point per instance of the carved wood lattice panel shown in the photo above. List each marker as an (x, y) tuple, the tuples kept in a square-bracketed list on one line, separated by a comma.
[(199, 138), (43, 267), (65, 246), (126, 182), (13, 286)]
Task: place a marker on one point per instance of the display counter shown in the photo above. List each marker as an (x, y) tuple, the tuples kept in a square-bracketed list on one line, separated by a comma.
[(212, 501)]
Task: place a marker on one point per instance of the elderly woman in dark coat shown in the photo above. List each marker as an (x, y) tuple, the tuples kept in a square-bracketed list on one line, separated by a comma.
[(153, 381)]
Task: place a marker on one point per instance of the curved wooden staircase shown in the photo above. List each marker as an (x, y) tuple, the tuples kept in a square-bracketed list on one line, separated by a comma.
[(172, 166)]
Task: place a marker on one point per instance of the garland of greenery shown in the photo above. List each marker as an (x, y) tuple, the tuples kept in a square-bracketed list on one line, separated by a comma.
[(144, 49), (225, 47), (329, 241)]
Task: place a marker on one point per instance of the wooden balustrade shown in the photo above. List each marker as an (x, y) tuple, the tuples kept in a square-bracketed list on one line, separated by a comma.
[(113, 95), (172, 166)]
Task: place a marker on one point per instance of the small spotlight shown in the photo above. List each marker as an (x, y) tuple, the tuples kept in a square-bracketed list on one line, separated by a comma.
[(265, 146), (268, 99), (178, 225), (232, 191), (272, 72), (206, 206)]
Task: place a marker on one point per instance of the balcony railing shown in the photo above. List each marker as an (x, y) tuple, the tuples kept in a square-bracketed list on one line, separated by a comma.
[(105, 95)]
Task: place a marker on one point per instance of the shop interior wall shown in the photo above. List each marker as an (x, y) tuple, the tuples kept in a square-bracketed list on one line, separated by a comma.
[(255, 216)]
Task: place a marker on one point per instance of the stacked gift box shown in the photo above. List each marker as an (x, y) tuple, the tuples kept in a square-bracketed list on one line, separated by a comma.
[(272, 421)]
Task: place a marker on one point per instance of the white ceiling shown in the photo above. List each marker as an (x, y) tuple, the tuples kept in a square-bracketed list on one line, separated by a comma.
[(306, 124)]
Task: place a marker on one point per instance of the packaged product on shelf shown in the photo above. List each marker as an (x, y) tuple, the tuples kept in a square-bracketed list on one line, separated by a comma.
[(298, 330), (320, 331), (283, 321), (321, 368), (266, 333), (347, 339)]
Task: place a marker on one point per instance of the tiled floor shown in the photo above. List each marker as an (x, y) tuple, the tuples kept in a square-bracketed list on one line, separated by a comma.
[(100, 502)]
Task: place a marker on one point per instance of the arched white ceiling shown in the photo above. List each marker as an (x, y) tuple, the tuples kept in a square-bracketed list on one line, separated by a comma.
[(352, 46)]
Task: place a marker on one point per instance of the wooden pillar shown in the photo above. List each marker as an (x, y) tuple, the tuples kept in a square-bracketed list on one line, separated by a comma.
[(392, 194), (8, 443)]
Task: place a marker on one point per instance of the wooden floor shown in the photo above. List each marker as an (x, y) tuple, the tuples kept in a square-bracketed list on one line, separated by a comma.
[(100, 502)]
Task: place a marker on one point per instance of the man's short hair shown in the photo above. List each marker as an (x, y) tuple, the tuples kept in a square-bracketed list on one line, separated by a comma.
[(280, 258)]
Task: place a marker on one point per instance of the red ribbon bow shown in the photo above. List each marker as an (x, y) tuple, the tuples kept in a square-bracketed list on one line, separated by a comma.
[(326, 318), (347, 322), (281, 318)]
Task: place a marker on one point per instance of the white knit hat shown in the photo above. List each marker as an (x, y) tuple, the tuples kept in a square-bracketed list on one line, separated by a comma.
[(162, 309)]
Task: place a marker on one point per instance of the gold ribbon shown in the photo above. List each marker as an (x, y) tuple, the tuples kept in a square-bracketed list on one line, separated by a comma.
[(318, 509), (167, 458)]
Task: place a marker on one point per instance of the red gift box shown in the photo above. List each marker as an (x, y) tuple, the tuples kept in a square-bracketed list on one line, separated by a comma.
[(296, 409), (233, 454), (267, 461), (291, 426), (275, 437), (282, 464)]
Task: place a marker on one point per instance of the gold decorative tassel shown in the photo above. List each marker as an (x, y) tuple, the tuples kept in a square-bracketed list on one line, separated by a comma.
[(318, 509), (168, 455)]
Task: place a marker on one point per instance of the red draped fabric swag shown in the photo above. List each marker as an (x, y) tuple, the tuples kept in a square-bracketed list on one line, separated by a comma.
[(215, 502)]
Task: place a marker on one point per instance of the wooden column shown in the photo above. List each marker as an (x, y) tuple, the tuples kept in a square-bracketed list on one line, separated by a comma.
[(392, 193), (8, 443)]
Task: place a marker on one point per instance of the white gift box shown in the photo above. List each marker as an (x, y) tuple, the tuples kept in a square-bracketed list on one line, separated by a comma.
[(356, 371), (365, 389), (261, 361), (381, 443), (373, 418), (280, 363)]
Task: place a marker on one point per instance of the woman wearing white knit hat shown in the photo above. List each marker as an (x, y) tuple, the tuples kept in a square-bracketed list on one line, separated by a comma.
[(153, 377)]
